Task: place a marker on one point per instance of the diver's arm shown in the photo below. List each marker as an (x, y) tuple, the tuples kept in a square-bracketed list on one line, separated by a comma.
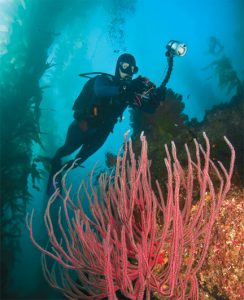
[(150, 102), (104, 87)]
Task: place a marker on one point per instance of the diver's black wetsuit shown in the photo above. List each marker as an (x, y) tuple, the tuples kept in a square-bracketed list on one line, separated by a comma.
[(106, 98), (110, 104)]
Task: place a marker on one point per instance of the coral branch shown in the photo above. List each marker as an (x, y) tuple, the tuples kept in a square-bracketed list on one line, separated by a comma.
[(123, 247)]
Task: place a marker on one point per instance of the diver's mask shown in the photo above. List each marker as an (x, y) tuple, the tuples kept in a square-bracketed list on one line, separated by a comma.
[(127, 70)]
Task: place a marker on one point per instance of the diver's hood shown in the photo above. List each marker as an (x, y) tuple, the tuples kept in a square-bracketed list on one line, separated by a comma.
[(128, 58)]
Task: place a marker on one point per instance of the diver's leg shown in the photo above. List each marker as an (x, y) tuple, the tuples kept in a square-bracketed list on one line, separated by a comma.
[(74, 139), (92, 146)]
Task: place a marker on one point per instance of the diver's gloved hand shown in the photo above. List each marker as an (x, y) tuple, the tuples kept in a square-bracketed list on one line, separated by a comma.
[(132, 86), (142, 85), (139, 84), (143, 91)]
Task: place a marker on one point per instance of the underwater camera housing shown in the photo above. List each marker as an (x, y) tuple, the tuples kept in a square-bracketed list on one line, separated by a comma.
[(176, 48)]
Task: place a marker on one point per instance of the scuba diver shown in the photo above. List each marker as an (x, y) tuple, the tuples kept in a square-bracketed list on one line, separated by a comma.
[(100, 104)]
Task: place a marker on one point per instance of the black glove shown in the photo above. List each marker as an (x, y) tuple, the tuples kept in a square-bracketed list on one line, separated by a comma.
[(142, 85), (139, 89), (134, 86), (139, 85)]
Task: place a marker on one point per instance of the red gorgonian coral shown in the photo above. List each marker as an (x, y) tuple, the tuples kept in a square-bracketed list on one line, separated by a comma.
[(137, 241)]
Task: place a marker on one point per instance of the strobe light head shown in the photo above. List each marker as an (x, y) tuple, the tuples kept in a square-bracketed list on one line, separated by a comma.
[(176, 48)]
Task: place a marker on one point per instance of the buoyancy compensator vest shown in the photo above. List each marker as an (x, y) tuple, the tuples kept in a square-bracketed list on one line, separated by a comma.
[(84, 104)]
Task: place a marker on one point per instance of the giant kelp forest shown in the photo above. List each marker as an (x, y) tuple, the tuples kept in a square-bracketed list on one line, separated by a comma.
[(33, 28)]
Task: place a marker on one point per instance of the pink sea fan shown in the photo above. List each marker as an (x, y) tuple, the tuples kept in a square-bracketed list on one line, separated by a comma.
[(123, 247)]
